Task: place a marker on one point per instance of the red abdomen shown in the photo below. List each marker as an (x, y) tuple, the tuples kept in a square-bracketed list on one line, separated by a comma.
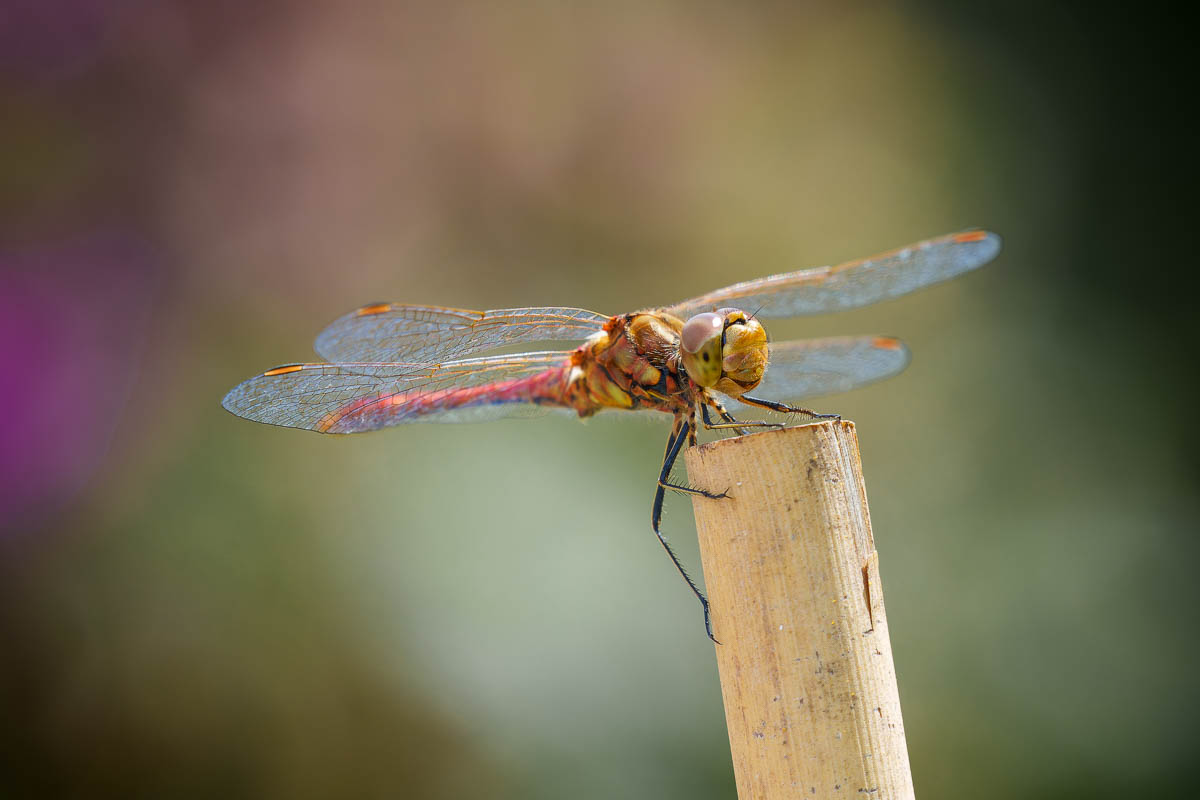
[(454, 404)]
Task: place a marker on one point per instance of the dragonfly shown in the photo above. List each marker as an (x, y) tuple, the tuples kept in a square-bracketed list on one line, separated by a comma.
[(391, 364)]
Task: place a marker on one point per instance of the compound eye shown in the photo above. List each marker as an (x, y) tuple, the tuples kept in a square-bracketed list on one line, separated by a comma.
[(701, 329)]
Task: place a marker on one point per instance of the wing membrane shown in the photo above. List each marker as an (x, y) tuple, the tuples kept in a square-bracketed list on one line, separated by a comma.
[(388, 332), (813, 367), (351, 397), (855, 283)]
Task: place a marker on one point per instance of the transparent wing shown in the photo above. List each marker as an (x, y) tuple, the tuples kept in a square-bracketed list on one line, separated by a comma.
[(388, 332), (855, 283), (812, 367), (351, 398)]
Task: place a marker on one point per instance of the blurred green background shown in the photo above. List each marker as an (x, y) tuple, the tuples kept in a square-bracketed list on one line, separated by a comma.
[(195, 606)]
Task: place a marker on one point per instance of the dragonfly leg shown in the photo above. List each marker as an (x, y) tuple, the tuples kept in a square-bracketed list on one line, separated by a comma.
[(729, 421), (684, 427), (785, 408), (678, 436)]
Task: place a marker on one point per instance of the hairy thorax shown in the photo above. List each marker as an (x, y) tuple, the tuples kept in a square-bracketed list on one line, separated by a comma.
[(632, 363)]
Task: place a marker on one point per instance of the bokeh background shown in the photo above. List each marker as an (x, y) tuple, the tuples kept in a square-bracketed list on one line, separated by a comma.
[(195, 606)]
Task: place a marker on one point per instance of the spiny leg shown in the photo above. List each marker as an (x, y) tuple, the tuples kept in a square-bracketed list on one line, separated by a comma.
[(671, 439), (685, 427), (730, 422), (674, 445), (785, 408), (720, 407), (690, 426)]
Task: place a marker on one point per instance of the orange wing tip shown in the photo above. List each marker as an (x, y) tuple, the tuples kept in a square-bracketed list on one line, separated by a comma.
[(970, 236), (377, 308), (283, 370), (887, 343)]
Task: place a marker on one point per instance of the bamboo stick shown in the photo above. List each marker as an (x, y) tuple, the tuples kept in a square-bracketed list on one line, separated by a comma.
[(806, 668)]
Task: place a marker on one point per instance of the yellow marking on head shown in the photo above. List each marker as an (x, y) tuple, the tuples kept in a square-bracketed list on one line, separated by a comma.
[(744, 356), (283, 370), (378, 308)]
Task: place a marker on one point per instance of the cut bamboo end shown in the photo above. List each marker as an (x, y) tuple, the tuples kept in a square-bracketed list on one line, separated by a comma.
[(806, 667)]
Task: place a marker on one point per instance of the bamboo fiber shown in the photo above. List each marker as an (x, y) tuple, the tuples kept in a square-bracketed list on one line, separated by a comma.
[(811, 700)]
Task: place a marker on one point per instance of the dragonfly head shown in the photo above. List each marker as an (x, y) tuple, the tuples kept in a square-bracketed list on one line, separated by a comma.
[(724, 350)]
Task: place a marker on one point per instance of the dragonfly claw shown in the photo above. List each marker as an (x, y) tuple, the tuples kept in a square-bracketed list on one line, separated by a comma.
[(708, 622)]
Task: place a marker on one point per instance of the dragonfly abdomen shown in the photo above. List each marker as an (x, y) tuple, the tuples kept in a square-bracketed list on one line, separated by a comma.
[(455, 404)]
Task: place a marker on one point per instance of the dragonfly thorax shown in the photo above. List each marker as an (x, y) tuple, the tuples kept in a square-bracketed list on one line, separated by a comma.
[(724, 350)]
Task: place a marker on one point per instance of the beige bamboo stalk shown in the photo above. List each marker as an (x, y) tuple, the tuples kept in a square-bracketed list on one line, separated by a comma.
[(806, 668)]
